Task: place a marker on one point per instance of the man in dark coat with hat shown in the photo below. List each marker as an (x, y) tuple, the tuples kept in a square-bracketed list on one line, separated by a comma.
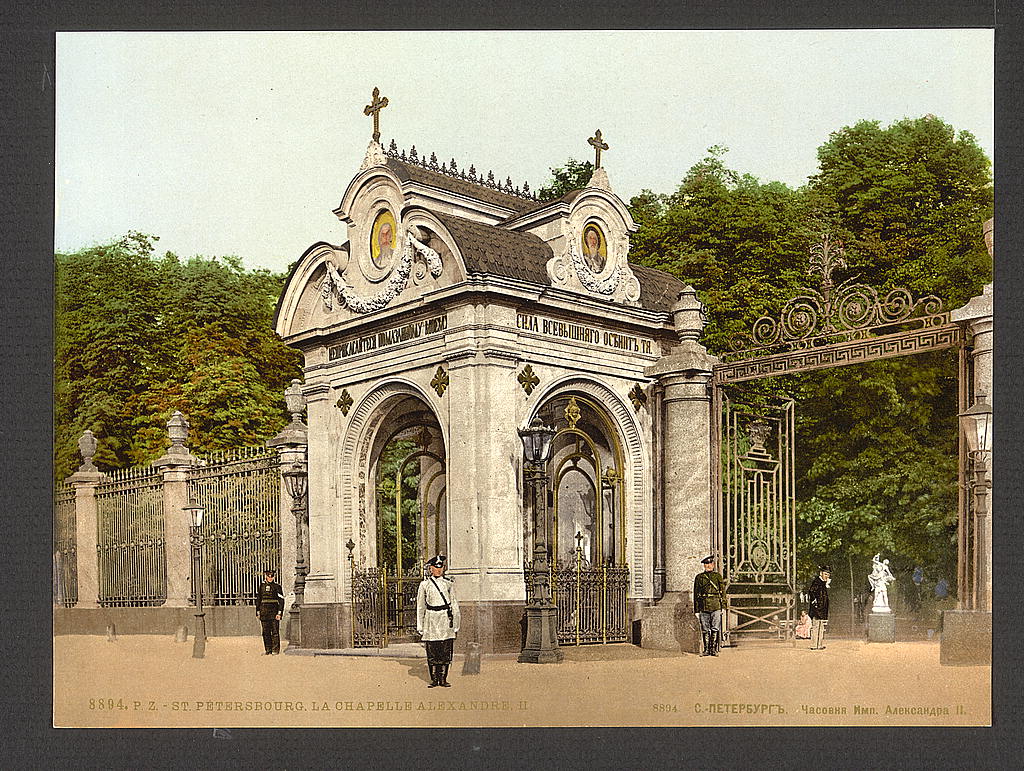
[(708, 603), (437, 620), (269, 607), (818, 610)]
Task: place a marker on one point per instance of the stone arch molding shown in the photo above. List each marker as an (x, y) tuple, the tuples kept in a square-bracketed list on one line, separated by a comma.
[(639, 493), (354, 451), (363, 283), (615, 280)]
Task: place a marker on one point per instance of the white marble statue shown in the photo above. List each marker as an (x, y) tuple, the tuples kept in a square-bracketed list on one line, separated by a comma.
[(880, 577)]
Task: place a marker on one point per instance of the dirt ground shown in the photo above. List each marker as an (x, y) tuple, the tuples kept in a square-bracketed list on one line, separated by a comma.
[(153, 681)]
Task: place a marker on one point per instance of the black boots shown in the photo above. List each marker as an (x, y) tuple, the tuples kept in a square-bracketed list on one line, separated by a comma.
[(712, 642), (439, 675)]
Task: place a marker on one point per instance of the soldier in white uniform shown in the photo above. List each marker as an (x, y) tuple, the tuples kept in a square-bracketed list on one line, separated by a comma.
[(437, 620)]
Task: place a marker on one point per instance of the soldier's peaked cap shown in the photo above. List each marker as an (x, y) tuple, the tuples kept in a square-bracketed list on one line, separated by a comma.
[(707, 559), (437, 562)]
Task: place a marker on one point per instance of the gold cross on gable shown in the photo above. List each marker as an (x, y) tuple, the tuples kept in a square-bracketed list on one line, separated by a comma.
[(377, 103), (598, 145)]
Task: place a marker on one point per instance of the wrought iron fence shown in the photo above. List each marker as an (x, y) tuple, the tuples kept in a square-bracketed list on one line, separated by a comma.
[(130, 538), (383, 606), (241, 492), (592, 601), (65, 550)]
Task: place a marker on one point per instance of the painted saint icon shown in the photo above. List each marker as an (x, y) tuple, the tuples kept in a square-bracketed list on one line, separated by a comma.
[(383, 239), (595, 248)]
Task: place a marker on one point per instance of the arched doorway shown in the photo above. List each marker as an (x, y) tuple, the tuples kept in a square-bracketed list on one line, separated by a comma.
[(585, 522), (407, 505)]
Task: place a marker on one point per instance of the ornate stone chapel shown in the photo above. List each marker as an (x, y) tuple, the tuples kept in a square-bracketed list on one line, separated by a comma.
[(460, 312)]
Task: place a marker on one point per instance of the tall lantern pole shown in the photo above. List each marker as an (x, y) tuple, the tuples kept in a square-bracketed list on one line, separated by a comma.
[(296, 483), (541, 616), (196, 542), (976, 426)]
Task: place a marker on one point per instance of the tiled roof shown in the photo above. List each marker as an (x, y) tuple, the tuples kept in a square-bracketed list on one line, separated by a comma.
[(407, 171), (658, 290), (500, 252), (537, 206), (493, 250)]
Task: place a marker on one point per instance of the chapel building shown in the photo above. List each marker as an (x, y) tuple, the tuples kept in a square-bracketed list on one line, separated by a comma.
[(458, 312)]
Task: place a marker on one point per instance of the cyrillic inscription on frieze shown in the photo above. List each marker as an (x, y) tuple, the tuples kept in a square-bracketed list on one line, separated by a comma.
[(385, 338), (584, 333)]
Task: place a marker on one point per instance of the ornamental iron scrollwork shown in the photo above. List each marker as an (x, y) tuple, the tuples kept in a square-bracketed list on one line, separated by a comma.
[(592, 600), (835, 313), (757, 524)]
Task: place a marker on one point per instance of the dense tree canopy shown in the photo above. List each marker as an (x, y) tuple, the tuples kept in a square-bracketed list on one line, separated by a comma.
[(139, 336), (876, 460)]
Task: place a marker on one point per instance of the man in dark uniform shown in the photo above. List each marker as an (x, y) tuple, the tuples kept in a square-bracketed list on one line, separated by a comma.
[(437, 620), (708, 603), (269, 607), (818, 610)]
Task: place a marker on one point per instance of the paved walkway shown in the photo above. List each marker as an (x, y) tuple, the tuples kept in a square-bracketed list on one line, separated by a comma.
[(153, 681)]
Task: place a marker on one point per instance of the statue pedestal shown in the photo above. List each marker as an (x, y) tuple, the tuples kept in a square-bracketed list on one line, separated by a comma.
[(882, 627)]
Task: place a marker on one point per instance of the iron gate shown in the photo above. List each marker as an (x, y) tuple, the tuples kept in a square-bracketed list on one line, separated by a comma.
[(757, 499), (591, 600), (130, 539), (241, 492), (383, 606)]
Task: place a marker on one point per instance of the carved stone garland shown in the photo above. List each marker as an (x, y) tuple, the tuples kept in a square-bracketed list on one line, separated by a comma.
[(620, 280), (335, 283)]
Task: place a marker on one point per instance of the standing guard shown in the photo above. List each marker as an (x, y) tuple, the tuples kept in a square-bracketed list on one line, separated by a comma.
[(269, 607), (708, 602), (819, 606), (437, 620)]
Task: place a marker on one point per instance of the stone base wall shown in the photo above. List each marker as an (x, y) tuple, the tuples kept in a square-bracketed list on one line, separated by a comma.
[(221, 621), (497, 626), (670, 624), (327, 625)]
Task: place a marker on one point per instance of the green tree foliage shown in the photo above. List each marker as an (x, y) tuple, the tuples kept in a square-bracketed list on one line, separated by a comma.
[(740, 243), (393, 458), (573, 176), (139, 336), (876, 462), (909, 201)]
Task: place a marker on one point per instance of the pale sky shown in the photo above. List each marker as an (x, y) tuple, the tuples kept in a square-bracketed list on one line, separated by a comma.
[(243, 143)]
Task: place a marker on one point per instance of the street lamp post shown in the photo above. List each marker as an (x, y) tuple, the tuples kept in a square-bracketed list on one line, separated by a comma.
[(296, 483), (976, 425), (196, 541), (541, 616)]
